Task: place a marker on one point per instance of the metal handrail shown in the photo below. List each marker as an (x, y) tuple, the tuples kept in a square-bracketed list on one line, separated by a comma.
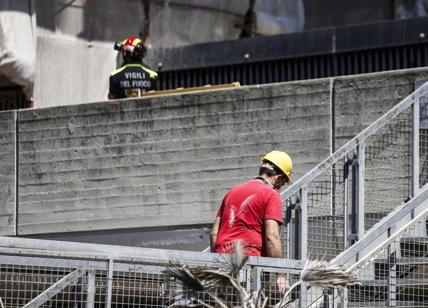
[(357, 140), (101, 252)]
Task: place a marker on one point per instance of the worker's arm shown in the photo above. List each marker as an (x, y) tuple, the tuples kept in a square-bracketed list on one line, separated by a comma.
[(274, 250), (273, 239), (214, 232)]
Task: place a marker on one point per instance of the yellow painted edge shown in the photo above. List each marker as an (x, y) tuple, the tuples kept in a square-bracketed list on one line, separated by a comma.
[(207, 87)]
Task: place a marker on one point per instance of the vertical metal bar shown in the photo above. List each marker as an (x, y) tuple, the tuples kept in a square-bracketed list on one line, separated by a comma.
[(258, 278), (303, 243), (248, 279), (297, 236), (354, 202), (361, 191), (90, 291), (16, 209), (303, 234), (345, 202), (289, 219), (345, 298), (415, 148), (392, 278), (335, 298), (109, 283)]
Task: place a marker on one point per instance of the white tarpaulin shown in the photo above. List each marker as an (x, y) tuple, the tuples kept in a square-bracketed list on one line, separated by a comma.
[(18, 43), (276, 17)]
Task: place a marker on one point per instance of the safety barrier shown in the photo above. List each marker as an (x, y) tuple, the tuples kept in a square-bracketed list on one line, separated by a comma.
[(332, 206), (39, 273), (390, 262)]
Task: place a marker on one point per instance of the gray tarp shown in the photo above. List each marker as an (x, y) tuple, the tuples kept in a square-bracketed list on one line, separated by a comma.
[(18, 43)]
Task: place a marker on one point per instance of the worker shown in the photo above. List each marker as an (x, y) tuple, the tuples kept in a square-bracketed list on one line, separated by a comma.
[(133, 78), (252, 212)]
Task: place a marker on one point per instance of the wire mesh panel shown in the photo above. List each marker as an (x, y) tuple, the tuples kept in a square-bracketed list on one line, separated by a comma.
[(326, 214), (362, 182), (140, 289), (20, 284), (74, 295), (398, 274), (388, 180), (269, 280), (326, 223)]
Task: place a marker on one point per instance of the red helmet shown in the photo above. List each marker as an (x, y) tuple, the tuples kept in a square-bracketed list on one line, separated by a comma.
[(131, 47)]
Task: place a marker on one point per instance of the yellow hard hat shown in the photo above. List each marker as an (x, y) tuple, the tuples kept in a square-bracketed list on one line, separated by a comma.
[(281, 160)]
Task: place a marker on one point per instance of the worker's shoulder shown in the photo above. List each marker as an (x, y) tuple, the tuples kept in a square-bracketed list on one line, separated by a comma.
[(117, 71), (134, 67), (138, 66), (152, 74)]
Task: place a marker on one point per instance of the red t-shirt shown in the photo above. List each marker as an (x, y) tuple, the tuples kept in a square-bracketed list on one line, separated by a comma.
[(242, 214)]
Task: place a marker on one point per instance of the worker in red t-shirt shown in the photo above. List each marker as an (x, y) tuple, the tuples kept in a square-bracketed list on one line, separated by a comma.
[(252, 212)]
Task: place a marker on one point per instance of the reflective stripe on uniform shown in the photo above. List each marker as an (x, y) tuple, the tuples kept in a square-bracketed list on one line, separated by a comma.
[(152, 74)]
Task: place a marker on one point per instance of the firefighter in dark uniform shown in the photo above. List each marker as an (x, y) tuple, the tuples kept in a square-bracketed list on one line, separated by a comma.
[(132, 79)]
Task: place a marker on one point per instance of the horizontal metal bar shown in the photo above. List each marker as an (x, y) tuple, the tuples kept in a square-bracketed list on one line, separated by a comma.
[(98, 252), (55, 289), (354, 142), (51, 262)]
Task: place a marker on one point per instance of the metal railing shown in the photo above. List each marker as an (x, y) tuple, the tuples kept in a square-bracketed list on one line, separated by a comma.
[(40, 273), (329, 209), (390, 262), (346, 194)]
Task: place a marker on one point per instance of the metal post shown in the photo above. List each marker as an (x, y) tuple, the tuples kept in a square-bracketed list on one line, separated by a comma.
[(288, 224), (248, 279), (345, 298), (109, 283), (258, 278), (353, 237), (16, 209), (303, 235), (415, 148), (90, 292), (361, 190), (345, 203), (303, 238), (392, 278)]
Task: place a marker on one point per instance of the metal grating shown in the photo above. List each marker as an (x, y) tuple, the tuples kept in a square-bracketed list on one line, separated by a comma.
[(300, 68), (12, 98)]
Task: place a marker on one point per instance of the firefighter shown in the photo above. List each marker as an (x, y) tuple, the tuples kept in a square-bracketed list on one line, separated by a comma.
[(252, 212), (132, 79)]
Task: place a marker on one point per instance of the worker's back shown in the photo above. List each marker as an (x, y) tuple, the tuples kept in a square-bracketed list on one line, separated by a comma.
[(242, 213), (132, 80)]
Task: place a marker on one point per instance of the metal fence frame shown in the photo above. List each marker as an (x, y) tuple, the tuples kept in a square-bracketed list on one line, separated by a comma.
[(296, 196), (83, 260), (86, 262)]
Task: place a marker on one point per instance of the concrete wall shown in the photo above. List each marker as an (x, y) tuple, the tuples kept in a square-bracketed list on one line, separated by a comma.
[(167, 161), (7, 172), (161, 161)]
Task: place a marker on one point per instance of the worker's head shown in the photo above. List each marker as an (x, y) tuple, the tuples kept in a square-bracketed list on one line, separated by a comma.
[(132, 49), (278, 166)]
